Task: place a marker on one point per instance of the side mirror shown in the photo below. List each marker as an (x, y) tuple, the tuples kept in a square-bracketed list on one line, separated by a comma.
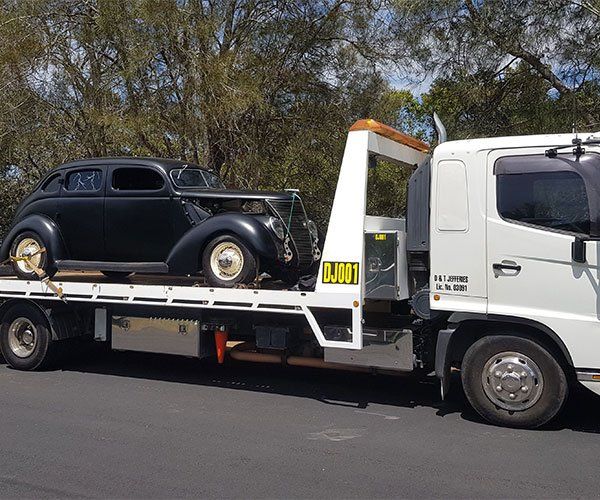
[(578, 250)]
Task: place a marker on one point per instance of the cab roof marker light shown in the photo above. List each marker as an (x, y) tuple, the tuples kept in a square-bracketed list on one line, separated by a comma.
[(390, 133)]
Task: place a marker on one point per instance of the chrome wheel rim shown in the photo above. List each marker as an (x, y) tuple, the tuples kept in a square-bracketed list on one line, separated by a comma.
[(512, 381), (227, 261), (22, 337), (28, 247)]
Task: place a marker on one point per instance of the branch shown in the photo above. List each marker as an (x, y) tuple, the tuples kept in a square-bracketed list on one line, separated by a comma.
[(514, 48)]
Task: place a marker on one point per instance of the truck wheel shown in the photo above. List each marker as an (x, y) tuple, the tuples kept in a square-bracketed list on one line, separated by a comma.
[(25, 338), (513, 381), (30, 243), (226, 261)]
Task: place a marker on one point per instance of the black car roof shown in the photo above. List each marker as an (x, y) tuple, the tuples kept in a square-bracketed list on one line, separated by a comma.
[(165, 164)]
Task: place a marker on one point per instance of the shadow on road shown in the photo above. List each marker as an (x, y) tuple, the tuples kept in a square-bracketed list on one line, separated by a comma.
[(330, 387)]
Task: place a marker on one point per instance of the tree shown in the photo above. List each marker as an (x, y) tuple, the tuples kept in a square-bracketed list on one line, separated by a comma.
[(498, 46), (259, 90)]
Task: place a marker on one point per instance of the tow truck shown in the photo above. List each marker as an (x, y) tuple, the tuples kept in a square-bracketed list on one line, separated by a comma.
[(494, 272)]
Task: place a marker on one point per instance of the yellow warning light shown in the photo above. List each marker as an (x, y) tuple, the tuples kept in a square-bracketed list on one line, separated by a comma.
[(595, 377), (436, 297), (390, 133)]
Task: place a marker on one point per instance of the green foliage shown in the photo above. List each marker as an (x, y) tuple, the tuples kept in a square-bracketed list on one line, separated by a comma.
[(263, 91)]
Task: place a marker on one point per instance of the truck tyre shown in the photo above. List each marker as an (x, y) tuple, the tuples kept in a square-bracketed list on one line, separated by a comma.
[(513, 381), (26, 339), (30, 243), (227, 261)]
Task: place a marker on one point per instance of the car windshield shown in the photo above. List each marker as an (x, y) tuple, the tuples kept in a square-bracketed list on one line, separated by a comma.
[(195, 178)]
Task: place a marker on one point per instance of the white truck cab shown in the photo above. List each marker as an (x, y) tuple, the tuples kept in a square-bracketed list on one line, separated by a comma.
[(494, 271)]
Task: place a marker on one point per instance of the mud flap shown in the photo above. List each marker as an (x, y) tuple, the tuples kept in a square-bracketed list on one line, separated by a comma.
[(443, 360)]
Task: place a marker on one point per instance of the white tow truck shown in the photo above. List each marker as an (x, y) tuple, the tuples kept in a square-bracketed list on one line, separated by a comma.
[(494, 271)]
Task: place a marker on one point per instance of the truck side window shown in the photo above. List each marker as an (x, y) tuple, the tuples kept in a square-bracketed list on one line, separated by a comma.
[(556, 200), (137, 179)]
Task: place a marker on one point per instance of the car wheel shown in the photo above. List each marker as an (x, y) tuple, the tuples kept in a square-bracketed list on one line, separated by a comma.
[(513, 381), (227, 261), (116, 275), (25, 338), (30, 244)]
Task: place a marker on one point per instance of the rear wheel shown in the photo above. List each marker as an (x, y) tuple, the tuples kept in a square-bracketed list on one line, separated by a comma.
[(227, 261), (26, 339), (513, 381), (28, 251)]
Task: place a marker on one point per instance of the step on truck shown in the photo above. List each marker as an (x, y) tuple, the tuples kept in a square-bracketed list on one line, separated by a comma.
[(494, 271)]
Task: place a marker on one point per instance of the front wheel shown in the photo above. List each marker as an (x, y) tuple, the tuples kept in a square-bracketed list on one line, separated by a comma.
[(513, 381), (227, 261), (26, 339)]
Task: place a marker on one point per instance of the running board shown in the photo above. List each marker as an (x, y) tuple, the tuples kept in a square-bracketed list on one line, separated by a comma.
[(124, 267)]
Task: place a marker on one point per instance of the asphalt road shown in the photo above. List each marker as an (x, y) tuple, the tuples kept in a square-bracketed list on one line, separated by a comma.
[(139, 425)]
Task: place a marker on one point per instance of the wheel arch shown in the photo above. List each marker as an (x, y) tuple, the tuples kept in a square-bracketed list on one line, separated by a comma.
[(464, 329), (185, 255), (470, 328), (48, 231), (10, 303), (63, 322)]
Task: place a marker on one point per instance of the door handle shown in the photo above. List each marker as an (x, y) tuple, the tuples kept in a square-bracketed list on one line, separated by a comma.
[(506, 267)]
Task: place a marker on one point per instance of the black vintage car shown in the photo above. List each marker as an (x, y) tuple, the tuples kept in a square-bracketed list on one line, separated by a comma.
[(148, 215)]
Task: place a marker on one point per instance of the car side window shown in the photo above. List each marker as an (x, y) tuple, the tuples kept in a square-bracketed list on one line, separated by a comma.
[(137, 179), (556, 200), (52, 184), (84, 180)]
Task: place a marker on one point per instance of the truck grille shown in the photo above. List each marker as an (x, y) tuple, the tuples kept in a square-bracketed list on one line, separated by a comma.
[(298, 227)]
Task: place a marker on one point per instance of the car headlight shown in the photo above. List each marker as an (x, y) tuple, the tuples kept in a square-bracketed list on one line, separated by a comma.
[(312, 229), (277, 227)]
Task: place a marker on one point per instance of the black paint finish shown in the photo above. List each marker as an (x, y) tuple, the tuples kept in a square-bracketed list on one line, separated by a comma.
[(100, 212)]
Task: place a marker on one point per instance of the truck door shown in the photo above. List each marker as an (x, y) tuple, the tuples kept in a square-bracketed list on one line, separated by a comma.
[(536, 206)]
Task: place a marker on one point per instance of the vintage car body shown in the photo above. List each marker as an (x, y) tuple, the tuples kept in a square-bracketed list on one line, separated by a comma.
[(125, 215)]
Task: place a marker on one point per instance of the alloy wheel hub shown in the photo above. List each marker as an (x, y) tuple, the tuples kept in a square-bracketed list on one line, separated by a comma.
[(512, 381), (28, 247), (22, 337), (227, 261)]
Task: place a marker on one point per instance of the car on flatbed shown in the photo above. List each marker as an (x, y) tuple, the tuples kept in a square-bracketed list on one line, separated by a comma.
[(150, 215)]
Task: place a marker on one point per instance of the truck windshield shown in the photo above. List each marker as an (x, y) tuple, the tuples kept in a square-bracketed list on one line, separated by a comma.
[(186, 178)]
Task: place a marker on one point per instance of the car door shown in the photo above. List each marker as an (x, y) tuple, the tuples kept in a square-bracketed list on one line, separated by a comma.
[(536, 207), (80, 213), (138, 224)]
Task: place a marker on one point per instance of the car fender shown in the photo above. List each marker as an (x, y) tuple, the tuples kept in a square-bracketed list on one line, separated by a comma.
[(185, 256), (45, 227)]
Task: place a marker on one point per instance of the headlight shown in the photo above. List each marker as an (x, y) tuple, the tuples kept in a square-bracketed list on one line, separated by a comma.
[(312, 229), (277, 227)]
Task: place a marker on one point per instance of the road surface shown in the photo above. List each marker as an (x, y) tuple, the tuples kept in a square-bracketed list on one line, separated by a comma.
[(155, 426)]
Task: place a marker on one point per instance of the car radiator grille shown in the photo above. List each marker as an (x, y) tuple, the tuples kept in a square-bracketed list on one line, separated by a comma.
[(298, 227)]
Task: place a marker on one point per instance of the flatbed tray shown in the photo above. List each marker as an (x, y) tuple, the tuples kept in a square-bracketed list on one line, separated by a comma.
[(145, 279)]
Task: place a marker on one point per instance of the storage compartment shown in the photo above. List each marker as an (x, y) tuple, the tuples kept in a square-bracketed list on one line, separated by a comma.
[(170, 336), (385, 259)]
